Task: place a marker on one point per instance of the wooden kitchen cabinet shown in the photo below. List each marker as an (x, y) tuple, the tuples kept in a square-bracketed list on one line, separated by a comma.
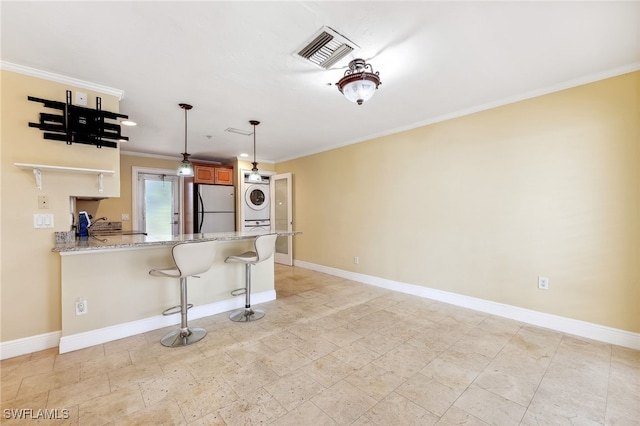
[(223, 175), (212, 174)]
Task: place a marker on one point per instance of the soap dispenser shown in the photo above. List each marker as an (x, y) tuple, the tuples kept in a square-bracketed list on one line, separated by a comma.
[(85, 222)]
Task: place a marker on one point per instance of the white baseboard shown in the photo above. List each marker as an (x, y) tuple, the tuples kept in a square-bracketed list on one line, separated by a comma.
[(77, 341), (28, 345), (108, 334), (593, 331), (565, 325)]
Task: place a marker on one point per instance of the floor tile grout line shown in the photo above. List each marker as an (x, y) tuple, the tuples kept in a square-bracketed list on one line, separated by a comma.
[(332, 309), (606, 398), (544, 374)]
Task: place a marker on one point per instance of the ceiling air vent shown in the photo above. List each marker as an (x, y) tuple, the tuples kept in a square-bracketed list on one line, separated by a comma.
[(326, 48)]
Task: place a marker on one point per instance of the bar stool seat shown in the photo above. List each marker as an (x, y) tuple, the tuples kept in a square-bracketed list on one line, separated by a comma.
[(191, 259), (264, 245)]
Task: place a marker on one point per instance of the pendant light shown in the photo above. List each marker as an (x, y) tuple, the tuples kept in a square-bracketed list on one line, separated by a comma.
[(358, 85), (185, 168), (254, 176)]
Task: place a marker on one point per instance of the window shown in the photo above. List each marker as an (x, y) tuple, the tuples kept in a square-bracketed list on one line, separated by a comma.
[(156, 199)]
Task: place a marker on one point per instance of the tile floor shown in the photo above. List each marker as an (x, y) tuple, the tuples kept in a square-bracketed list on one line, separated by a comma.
[(335, 352)]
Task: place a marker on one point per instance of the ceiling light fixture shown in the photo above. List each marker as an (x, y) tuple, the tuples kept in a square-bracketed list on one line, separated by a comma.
[(254, 176), (358, 85), (185, 168)]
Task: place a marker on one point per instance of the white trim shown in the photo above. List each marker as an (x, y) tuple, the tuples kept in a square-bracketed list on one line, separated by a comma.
[(108, 334), (167, 157), (589, 330), (283, 258), (147, 155), (135, 171), (58, 78), (27, 345), (482, 107), (77, 341)]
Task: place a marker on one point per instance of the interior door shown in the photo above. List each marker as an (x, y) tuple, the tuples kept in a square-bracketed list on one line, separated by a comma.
[(159, 203), (282, 216)]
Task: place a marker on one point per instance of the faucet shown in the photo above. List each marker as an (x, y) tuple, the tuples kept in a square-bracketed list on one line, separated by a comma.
[(91, 226), (96, 220)]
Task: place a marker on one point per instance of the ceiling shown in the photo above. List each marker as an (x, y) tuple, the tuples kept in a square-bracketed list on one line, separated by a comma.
[(234, 62)]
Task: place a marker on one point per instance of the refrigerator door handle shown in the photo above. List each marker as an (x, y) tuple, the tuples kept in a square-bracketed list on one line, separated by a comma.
[(201, 213)]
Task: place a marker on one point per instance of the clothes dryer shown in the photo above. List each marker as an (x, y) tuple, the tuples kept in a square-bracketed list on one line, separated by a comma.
[(257, 200)]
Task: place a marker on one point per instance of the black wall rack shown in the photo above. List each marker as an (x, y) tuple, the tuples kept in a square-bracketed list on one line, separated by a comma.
[(79, 124)]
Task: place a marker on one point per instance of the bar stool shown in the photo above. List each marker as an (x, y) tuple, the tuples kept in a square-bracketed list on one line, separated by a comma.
[(265, 245), (190, 258)]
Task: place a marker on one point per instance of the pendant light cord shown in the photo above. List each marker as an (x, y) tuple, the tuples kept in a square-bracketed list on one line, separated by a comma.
[(254, 143), (185, 130), (186, 108)]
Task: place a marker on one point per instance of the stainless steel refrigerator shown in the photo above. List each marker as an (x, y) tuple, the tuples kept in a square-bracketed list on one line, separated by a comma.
[(214, 208)]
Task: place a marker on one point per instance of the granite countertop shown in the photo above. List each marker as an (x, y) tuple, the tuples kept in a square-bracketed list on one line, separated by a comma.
[(140, 241)]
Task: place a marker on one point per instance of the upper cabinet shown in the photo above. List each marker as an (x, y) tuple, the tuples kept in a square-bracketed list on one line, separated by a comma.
[(223, 175), (212, 174)]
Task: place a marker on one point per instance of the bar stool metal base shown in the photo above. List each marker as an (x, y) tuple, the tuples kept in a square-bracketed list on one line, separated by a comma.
[(246, 315), (181, 337)]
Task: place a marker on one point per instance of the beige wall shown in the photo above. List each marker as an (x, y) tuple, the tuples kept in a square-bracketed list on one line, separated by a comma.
[(113, 208), (484, 204), (479, 205), (30, 272)]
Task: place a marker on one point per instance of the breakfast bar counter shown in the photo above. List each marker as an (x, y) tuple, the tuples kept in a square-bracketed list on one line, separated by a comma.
[(129, 241), (110, 275)]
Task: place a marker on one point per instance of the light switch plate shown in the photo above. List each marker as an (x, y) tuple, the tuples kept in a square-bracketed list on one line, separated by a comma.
[(42, 221)]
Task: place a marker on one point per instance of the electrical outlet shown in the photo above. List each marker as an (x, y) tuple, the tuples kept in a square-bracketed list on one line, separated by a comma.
[(543, 283), (356, 260), (125, 216), (81, 307)]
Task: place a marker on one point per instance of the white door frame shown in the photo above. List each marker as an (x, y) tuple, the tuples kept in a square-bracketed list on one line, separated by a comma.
[(283, 258), (135, 172)]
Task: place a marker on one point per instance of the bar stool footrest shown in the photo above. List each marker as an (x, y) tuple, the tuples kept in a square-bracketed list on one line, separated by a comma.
[(239, 291), (175, 310)]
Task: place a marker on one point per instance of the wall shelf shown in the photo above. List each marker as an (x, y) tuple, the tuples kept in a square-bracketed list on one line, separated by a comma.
[(39, 168)]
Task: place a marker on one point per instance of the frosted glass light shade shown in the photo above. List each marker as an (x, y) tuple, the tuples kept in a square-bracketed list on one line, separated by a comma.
[(358, 85), (359, 91), (254, 176), (185, 168)]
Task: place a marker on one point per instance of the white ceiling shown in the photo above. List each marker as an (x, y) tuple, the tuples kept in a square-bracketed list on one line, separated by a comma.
[(233, 61)]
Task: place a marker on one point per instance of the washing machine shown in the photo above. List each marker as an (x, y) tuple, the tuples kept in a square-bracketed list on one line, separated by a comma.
[(257, 201)]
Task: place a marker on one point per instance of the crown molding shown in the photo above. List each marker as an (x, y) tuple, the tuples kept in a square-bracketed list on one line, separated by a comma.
[(568, 84), (58, 78), (150, 155)]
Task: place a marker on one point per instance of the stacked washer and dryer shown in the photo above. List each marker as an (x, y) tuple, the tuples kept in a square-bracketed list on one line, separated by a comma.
[(256, 204)]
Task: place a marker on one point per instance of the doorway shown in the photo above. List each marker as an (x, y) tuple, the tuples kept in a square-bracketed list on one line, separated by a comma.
[(282, 216), (156, 199)]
